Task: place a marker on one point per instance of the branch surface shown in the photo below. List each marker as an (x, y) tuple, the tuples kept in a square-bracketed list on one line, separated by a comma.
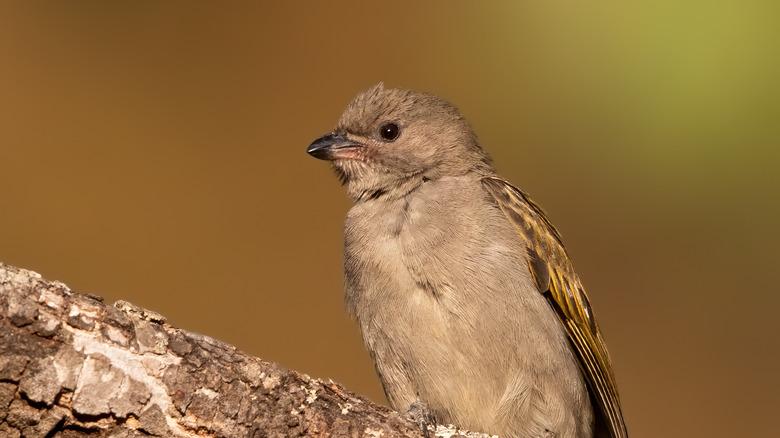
[(72, 366)]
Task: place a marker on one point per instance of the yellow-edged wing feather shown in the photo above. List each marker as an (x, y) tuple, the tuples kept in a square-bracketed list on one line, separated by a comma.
[(554, 275)]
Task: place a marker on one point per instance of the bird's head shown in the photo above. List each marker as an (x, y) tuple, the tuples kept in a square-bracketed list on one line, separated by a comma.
[(389, 141)]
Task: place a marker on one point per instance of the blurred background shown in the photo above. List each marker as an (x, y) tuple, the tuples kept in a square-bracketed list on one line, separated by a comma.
[(155, 152)]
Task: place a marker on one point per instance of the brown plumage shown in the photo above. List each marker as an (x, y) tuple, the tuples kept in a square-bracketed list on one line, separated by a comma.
[(463, 290)]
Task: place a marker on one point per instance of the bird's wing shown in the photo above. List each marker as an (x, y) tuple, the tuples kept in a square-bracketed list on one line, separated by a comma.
[(555, 278)]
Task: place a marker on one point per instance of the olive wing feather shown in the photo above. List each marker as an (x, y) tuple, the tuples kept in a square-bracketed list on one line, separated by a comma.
[(555, 278)]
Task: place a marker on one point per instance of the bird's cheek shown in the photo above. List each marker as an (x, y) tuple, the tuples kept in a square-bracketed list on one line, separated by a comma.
[(410, 162)]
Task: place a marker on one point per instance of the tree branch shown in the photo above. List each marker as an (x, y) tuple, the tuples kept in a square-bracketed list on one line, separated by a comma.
[(71, 366)]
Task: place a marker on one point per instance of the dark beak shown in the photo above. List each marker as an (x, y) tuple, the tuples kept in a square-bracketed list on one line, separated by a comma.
[(332, 147)]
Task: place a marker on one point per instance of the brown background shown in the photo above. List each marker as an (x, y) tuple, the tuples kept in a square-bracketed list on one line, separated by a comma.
[(156, 153)]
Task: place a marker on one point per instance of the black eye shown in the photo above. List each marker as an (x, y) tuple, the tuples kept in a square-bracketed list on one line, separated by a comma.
[(389, 131)]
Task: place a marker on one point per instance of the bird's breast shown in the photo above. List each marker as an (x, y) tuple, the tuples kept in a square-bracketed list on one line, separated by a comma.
[(437, 255)]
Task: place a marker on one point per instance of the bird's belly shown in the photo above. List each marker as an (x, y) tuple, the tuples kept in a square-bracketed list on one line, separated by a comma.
[(459, 326), (427, 342)]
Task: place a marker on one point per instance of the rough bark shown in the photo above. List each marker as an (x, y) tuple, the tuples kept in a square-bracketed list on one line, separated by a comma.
[(72, 366)]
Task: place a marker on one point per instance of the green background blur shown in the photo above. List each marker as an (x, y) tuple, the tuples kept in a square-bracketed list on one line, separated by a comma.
[(155, 152)]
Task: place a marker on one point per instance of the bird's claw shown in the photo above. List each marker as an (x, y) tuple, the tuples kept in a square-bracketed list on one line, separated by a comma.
[(422, 415)]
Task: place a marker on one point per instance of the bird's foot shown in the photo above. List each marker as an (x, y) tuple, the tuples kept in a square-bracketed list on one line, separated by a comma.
[(422, 415)]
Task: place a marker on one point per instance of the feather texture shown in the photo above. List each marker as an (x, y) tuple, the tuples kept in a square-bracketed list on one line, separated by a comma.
[(555, 278)]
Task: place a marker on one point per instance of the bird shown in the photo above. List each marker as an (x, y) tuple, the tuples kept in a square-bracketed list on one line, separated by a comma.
[(465, 296)]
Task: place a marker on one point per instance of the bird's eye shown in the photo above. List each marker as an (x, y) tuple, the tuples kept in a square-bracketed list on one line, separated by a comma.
[(389, 131)]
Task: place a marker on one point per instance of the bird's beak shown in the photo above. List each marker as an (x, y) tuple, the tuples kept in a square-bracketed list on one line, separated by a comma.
[(334, 147)]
